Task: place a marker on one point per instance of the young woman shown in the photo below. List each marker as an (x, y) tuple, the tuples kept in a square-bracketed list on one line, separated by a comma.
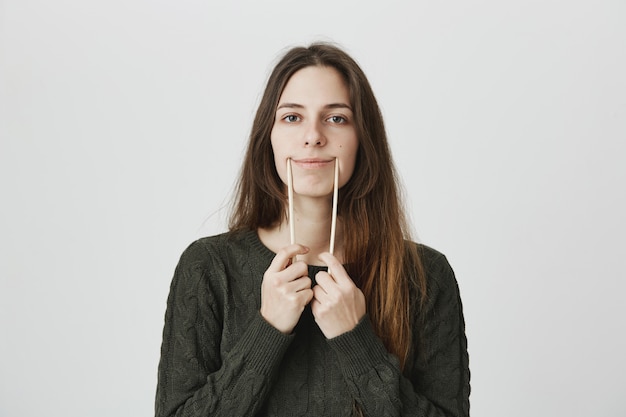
[(265, 321)]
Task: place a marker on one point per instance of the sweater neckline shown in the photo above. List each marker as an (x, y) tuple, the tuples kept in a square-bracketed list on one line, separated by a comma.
[(266, 253)]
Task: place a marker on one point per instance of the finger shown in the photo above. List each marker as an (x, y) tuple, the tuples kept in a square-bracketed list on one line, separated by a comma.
[(325, 281), (284, 255), (320, 295), (315, 305), (300, 284), (307, 295), (293, 272), (339, 274)]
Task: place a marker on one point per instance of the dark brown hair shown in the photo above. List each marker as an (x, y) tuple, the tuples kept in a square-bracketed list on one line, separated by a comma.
[(375, 230)]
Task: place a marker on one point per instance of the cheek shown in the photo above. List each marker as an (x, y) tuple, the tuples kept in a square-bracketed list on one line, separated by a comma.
[(348, 163), (280, 161), (345, 173)]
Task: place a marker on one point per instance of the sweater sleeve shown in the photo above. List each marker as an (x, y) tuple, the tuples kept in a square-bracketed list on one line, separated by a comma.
[(194, 377), (438, 384)]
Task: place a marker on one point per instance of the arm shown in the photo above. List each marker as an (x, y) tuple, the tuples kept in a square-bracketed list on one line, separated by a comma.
[(439, 377), (195, 378)]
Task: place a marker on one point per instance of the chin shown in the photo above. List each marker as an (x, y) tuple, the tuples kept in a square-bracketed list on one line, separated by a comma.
[(314, 193)]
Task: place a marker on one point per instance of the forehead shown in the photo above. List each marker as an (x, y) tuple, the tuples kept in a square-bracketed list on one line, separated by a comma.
[(316, 85)]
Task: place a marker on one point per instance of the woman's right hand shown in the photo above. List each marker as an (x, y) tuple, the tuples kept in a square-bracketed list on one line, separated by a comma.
[(286, 289)]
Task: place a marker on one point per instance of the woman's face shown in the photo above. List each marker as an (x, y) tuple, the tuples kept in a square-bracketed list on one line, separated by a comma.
[(314, 125)]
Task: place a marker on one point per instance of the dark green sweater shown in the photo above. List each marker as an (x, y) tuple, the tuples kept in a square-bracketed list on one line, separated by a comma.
[(219, 357)]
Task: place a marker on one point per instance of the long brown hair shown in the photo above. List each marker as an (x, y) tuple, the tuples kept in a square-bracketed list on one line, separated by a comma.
[(375, 229)]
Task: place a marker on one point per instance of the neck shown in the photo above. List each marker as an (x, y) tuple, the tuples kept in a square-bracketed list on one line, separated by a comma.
[(312, 219)]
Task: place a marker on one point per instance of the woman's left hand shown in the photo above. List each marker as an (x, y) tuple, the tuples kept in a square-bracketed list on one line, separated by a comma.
[(338, 304)]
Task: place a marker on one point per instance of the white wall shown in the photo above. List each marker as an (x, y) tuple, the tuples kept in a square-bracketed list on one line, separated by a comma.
[(122, 125)]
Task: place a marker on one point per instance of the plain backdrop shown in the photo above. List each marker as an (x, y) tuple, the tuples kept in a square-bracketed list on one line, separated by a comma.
[(122, 128)]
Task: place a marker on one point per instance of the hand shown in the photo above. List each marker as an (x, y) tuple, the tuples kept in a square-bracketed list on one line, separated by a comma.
[(286, 289), (338, 305)]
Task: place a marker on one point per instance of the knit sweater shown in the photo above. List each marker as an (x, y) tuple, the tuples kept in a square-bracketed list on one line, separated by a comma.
[(219, 357)]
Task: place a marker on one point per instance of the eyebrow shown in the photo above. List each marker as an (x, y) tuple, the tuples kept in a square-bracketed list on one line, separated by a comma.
[(328, 106)]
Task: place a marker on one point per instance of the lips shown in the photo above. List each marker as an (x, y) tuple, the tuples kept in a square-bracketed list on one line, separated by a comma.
[(312, 163)]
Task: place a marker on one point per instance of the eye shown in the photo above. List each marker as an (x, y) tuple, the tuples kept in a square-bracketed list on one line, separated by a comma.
[(337, 119), (291, 118)]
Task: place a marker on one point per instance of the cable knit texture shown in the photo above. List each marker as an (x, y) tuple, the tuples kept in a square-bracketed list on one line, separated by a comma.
[(219, 357)]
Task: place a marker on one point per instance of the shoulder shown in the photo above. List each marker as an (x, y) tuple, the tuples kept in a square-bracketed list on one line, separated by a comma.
[(443, 298), (218, 246), (210, 251), (432, 259), (439, 272)]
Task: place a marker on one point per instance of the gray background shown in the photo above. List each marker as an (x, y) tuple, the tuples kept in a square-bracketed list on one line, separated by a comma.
[(123, 124)]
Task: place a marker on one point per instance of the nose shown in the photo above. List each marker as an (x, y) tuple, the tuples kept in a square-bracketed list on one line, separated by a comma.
[(314, 136)]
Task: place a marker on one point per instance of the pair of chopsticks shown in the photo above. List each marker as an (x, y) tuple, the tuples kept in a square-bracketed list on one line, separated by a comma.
[(333, 224)]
